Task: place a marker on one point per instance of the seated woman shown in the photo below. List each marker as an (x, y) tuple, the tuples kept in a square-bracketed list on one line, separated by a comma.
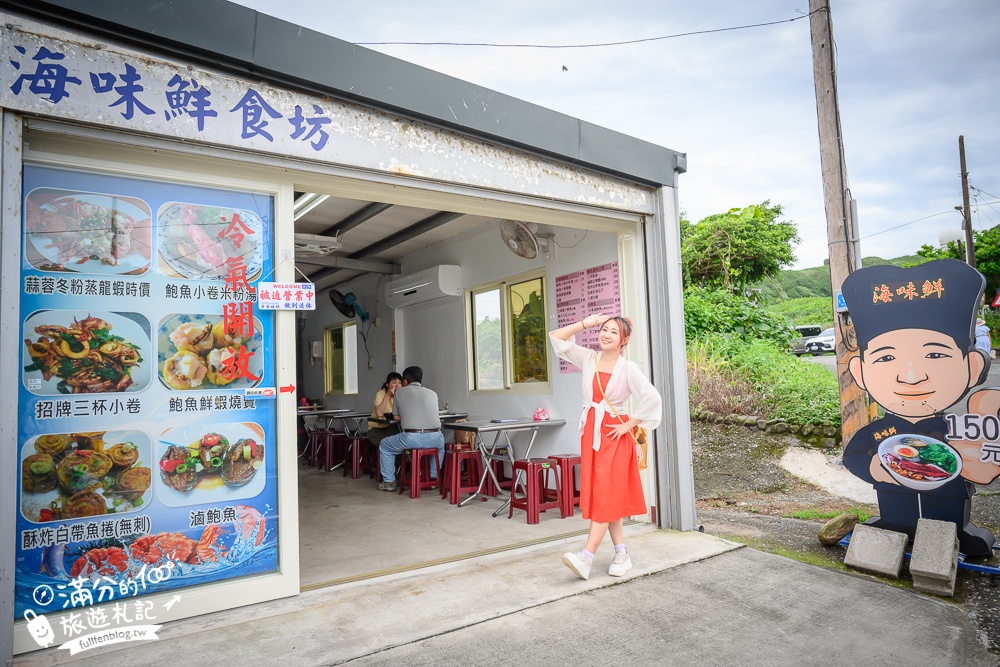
[(378, 430)]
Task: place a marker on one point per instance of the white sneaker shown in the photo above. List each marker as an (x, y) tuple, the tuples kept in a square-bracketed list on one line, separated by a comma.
[(620, 565), (579, 563)]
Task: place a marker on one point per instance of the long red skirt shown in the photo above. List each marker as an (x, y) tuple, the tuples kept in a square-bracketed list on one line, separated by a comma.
[(610, 488)]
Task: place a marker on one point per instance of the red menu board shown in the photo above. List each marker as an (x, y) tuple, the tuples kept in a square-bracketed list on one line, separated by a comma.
[(583, 293)]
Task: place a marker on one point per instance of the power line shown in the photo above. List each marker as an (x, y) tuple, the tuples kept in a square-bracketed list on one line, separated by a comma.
[(868, 236), (585, 46), (883, 231), (973, 187)]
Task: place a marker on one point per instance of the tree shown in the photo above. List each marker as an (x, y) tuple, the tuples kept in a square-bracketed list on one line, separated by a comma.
[(738, 248), (986, 246)]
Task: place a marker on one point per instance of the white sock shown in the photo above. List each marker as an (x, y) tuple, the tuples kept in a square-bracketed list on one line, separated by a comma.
[(619, 548)]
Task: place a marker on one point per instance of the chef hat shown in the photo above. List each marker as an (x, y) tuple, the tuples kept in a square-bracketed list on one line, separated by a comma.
[(942, 295)]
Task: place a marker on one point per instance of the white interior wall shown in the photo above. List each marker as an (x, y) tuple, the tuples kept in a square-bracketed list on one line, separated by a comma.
[(368, 288), (435, 331)]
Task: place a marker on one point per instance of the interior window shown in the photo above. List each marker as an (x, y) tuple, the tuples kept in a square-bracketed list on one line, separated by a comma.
[(509, 340), (529, 342), (340, 369), (488, 339)]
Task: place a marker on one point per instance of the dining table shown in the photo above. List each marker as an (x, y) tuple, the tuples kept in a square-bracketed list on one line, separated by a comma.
[(355, 423), (501, 448)]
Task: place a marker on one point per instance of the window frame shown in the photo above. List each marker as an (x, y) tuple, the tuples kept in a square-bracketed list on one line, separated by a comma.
[(346, 353), (507, 344)]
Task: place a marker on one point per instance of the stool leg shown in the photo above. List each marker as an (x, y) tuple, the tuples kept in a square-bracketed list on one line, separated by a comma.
[(444, 481), (534, 498), (414, 478), (566, 492), (356, 458), (330, 445)]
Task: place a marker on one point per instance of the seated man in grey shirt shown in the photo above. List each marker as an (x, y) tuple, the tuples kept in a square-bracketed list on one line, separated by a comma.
[(416, 408)]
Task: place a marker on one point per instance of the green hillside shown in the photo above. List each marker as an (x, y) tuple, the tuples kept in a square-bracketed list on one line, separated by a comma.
[(804, 296), (804, 283)]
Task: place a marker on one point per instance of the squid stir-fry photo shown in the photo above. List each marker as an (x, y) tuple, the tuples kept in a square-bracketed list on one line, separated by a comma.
[(86, 357)]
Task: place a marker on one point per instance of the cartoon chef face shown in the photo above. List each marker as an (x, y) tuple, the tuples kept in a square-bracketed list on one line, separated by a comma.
[(916, 373)]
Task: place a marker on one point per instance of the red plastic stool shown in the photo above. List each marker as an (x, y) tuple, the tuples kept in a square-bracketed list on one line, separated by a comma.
[(449, 448), (535, 498), (317, 438), (458, 481), (331, 444), (567, 479), (416, 472)]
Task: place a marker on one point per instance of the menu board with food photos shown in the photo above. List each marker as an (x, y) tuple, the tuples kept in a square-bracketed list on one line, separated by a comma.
[(145, 464), (583, 293)]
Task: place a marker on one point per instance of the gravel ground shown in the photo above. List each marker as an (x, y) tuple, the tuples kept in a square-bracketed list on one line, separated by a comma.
[(745, 495)]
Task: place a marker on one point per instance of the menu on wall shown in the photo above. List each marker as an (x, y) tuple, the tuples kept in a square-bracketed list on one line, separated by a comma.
[(145, 465), (583, 293)]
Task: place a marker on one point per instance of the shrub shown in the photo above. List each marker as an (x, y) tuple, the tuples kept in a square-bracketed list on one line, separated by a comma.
[(709, 311), (759, 377), (713, 386), (992, 318), (810, 310)]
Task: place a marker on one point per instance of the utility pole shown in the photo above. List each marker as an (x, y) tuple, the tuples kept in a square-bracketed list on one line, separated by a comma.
[(853, 406), (970, 252)]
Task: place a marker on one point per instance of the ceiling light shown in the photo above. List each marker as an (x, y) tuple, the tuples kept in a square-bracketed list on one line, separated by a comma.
[(306, 203)]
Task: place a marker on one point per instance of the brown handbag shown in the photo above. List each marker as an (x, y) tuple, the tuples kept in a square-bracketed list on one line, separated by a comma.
[(638, 433)]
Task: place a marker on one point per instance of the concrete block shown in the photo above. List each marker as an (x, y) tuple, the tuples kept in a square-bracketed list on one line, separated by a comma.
[(936, 586), (876, 550), (935, 550)]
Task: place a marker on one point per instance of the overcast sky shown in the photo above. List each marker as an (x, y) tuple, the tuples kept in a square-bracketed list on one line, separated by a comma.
[(913, 75)]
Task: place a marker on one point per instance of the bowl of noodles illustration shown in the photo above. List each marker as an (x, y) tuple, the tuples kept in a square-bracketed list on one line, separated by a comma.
[(919, 462)]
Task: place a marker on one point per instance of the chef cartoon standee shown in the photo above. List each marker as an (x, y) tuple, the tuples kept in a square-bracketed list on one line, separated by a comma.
[(917, 359)]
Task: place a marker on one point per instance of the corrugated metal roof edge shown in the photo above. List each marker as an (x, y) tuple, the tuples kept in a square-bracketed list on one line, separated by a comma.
[(265, 47)]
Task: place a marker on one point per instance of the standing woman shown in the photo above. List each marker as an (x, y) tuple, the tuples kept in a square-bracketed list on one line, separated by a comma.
[(384, 399), (610, 488)]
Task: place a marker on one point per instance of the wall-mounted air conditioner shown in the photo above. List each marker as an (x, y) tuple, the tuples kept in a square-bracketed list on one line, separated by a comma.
[(433, 283)]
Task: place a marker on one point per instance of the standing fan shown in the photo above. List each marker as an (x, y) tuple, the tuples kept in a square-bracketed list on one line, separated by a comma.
[(523, 239), (347, 304)]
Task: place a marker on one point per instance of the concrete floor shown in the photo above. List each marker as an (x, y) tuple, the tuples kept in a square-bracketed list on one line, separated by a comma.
[(359, 545), (337, 623), (340, 518)]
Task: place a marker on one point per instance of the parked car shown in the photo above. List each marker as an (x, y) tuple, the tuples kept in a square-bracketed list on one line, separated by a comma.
[(821, 344), (805, 332)]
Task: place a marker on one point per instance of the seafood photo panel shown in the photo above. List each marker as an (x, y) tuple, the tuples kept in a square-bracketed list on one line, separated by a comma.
[(87, 232), (73, 352), (154, 484), (199, 242), (199, 352), (218, 463), (74, 475)]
